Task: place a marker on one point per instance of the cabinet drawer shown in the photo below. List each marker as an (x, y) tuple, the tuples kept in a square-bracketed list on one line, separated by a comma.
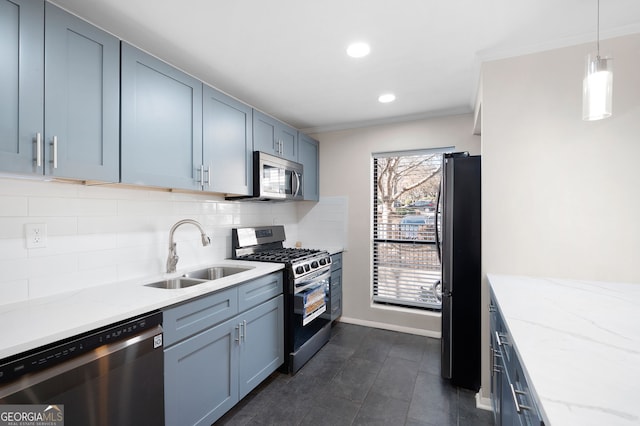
[(336, 261), (192, 317), (335, 307), (336, 281), (260, 290)]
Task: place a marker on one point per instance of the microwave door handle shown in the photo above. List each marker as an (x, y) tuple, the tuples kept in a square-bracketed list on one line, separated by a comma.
[(297, 183)]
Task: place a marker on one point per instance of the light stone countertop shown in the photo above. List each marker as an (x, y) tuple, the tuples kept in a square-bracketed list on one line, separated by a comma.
[(30, 324), (579, 343)]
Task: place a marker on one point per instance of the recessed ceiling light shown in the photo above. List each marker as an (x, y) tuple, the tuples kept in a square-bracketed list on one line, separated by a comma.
[(358, 50), (386, 98)]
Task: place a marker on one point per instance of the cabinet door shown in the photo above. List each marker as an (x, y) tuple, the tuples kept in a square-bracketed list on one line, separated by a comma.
[(274, 137), (227, 143), (201, 376), (288, 137), (308, 156), (21, 83), (82, 102), (262, 343), (161, 140), (264, 133)]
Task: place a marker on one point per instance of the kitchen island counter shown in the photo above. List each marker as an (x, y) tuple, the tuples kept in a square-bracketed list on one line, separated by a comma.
[(579, 343), (30, 324)]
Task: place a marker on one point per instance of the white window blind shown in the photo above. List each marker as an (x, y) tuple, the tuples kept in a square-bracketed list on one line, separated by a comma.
[(406, 266)]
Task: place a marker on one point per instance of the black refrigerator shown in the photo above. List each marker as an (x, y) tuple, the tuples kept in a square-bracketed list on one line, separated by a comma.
[(460, 259)]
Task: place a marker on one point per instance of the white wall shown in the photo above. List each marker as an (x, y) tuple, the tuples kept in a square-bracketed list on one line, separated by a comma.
[(561, 196), (98, 235), (345, 172)]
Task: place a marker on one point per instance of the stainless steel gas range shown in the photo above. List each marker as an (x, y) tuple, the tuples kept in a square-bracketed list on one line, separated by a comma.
[(307, 274)]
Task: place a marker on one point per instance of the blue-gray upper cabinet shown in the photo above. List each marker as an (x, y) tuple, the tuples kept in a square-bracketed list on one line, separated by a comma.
[(161, 135), (59, 109), (274, 137), (21, 83), (82, 102), (227, 143), (308, 156)]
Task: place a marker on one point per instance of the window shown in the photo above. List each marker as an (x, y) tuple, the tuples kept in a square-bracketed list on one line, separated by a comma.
[(406, 228)]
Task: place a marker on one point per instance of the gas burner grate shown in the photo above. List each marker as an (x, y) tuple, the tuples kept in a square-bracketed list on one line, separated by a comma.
[(281, 255)]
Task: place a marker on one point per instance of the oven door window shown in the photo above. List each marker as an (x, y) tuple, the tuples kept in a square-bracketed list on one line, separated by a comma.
[(310, 307)]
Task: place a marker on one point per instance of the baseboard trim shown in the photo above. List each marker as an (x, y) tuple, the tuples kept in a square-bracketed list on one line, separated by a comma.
[(392, 327), (482, 402)]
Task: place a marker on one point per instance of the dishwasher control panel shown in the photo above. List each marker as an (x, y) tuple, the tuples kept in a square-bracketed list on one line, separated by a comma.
[(18, 365)]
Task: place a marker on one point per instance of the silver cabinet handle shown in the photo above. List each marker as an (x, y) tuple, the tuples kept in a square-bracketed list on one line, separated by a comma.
[(38, 149), (498, 340), (239, 333), (515, 394), (54, 144), (207, 170), (244, 327), (200, 172)]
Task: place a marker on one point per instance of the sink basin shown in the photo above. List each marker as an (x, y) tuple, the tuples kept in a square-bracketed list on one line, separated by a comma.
[(175, 283), (216, 272)]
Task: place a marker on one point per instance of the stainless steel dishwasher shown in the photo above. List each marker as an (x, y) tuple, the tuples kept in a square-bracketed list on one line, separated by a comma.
[(109, 376)]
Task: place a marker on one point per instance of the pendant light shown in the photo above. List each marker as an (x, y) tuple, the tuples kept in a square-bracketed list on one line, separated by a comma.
[(597, 86)]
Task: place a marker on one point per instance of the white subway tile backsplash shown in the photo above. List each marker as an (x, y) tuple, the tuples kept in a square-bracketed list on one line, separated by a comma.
[(14, 291), (13, 206), (59, 206), (14, 269), (106, 233), (59, 283), (12, 248)]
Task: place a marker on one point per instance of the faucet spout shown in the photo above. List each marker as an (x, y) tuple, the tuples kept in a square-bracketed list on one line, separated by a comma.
[(172, 260)]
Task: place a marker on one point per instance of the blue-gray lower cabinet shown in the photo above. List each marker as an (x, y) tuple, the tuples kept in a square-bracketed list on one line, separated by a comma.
[(308, 151), (511, 397), (219, 347), (335, 295), (227, 143), (274, 137), (161, 134), (262, 343), (201, 376)]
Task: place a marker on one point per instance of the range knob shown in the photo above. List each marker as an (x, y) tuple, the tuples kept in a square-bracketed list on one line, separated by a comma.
[(299, 270), (314, 264), (323, 261), (307, 267)]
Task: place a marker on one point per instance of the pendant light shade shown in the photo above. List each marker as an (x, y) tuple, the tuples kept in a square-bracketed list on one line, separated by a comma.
[(597, 88)]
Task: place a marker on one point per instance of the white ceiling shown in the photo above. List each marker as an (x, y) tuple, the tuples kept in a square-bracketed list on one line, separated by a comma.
[(287, 57)]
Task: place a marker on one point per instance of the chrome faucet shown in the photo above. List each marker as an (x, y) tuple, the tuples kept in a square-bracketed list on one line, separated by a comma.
[(173, 258)]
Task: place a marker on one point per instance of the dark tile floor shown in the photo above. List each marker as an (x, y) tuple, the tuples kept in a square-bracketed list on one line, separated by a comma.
[(363, 376)]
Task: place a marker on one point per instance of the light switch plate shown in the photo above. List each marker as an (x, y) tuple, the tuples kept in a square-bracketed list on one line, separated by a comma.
[(36, 235)]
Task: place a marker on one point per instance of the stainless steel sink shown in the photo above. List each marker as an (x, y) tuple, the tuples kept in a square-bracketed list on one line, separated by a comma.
[(216, 272), (175, 283), (198, 277)]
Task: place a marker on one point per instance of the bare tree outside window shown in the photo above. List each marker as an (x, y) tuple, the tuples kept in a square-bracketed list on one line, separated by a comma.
[(406, 265)]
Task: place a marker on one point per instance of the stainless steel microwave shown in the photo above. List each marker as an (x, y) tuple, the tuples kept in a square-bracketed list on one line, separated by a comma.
[(274, 179)]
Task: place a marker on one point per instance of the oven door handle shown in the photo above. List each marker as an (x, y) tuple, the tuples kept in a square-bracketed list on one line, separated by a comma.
[(313, 282)]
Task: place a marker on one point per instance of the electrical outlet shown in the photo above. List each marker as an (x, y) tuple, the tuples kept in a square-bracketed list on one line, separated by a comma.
[(36, 234)]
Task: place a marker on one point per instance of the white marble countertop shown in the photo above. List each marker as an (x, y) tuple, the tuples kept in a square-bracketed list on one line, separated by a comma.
[(579, 343), (28, 325)]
